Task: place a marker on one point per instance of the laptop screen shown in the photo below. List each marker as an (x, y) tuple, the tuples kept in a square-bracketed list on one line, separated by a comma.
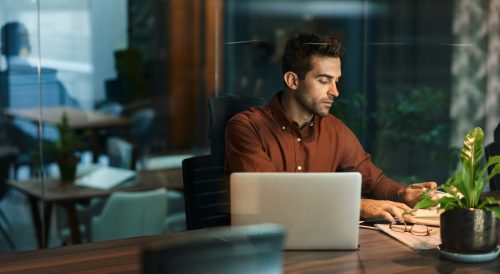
[(318, 210)]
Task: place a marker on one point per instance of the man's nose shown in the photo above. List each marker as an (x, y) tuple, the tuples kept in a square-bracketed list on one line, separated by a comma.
[(333, 91)]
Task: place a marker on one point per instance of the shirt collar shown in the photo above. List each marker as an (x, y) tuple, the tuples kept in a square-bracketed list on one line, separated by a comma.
[(279, 112)]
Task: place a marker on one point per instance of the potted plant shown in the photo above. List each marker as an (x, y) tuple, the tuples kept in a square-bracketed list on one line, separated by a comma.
[(469, 223), (65, 148)]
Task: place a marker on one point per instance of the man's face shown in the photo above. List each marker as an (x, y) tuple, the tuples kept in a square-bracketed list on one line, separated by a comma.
[(318, 89)]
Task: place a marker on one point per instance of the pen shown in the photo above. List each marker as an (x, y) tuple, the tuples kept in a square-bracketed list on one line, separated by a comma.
[(417, 186), (369, 227)]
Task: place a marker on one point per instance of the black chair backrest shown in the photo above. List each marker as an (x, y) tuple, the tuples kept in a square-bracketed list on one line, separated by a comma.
[(490, 150), (205, 193), (7, 159), (244, 249), (121, 153), (221, 109)]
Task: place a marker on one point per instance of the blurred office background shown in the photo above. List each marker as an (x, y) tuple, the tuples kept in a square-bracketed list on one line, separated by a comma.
[(417, 75)]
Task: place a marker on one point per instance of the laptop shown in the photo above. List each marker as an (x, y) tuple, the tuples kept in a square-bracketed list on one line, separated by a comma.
[(105, 177), (320, 211)]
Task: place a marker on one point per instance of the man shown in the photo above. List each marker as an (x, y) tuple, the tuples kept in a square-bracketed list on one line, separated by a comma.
[(20, 84), (20, 80), (296, 133)]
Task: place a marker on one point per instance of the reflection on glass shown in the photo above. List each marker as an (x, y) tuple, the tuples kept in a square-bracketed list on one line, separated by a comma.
[(19, 87), (413, 82)]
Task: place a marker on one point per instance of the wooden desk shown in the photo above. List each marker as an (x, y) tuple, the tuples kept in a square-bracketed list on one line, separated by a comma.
[(67, 195), (78, 120), (378, 253)]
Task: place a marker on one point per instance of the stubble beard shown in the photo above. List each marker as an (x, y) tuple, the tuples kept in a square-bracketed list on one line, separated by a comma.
[(310, 105)]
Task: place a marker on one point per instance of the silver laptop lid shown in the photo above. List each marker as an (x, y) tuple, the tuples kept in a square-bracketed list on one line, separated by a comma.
[(318, 210)]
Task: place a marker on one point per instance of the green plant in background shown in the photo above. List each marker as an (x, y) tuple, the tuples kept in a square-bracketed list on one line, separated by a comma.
[(64, 149), (413, 122), (466, 185), (69, 141), (351, 111)]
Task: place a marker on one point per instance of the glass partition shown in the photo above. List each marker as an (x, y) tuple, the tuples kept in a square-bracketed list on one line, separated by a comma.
[(133, 78), (416, 75), (20, 78)]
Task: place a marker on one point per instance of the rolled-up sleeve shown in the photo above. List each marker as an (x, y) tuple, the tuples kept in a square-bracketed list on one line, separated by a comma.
[(375, 184)]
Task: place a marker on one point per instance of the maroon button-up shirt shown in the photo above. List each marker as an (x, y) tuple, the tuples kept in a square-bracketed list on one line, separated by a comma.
[(262, 139)]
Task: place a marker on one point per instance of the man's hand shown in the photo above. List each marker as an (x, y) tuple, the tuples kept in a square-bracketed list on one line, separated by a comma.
[(389, 210), (409, 195)]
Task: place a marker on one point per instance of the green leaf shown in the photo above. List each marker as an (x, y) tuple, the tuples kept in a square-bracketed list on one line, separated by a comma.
[(455, 181), (488, 201), (479, 185), (471, 155), (454, 194), (493, 160), (495, 171), (494, 209), (448, 203), (466, 185), (470, 180), (426, 202)]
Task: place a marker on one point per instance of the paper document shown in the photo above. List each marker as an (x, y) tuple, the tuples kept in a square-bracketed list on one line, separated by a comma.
[(429, 217), (416, 242), (105, 177)]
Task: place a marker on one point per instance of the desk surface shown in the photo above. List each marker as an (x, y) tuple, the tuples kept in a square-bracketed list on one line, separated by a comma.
[(77, 118), (54, 191), (378, 253)]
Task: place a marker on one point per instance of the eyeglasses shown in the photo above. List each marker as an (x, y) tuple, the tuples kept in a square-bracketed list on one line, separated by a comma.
[(415, 229)]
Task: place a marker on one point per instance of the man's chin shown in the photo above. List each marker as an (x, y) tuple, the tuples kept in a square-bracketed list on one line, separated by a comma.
[(324, 114)]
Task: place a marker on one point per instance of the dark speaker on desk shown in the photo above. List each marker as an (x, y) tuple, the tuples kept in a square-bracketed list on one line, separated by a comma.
[(243, 249)]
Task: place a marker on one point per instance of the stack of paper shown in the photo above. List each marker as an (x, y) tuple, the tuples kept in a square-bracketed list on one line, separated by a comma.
[(105, 177), (428, 216), (416, 242)]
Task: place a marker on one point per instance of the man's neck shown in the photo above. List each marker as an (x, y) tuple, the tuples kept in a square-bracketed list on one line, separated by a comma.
[(294, 110)]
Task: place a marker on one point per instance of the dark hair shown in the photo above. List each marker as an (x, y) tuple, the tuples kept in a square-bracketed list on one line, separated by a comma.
[(302, 46), (14, 38)]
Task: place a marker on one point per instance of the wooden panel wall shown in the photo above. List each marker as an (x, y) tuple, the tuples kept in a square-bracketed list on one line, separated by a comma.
[(192, 26)]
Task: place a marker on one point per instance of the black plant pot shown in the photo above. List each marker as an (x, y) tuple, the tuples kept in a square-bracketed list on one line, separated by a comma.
[(469, 230), (67, 168)]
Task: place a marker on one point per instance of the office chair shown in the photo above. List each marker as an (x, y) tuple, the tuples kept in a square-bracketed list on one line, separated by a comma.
[(205, 189), (7, 158), (131, 214), (205, 193), (120, 153), (114, 109), (243, 249), (142, 131), (221, 109)]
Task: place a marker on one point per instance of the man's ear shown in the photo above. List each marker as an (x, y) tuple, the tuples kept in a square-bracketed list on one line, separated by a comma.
[(291, 80)]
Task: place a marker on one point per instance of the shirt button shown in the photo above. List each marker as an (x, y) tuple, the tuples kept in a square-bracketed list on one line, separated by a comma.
[(298, 139), (311, 125), (283, 128), (299, 167)]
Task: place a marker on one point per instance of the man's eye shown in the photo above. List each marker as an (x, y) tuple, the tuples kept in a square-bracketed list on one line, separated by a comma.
[(323, 81)]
